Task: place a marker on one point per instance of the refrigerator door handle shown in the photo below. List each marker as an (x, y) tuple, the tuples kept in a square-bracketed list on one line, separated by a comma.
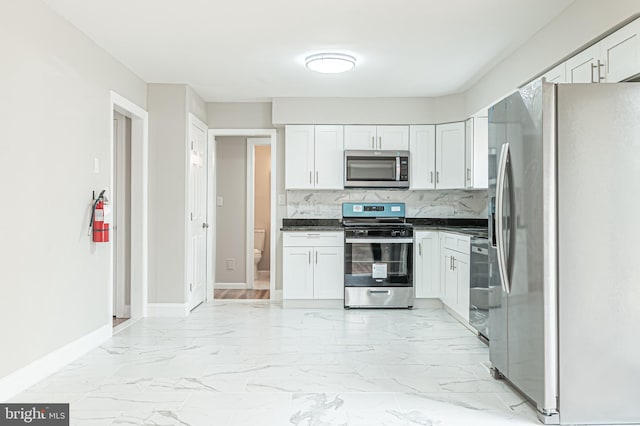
[(502, 175)]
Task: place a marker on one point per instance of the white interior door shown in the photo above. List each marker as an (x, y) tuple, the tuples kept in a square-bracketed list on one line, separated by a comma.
[(121, 201), (198, 226)]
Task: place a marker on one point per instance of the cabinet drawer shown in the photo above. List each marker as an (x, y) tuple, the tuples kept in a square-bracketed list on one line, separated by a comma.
[(459, 243), (313, 239)]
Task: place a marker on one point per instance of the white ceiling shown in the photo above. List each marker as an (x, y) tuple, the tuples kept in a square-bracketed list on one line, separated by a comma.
[(255, 49)]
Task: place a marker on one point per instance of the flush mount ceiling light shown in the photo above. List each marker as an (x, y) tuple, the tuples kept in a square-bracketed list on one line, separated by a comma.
[(330, 63)]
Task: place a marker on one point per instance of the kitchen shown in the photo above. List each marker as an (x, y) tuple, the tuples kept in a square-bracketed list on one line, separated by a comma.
[(226, 363)]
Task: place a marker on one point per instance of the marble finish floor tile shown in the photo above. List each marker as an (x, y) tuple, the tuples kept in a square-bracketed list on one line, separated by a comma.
[(254, 363)]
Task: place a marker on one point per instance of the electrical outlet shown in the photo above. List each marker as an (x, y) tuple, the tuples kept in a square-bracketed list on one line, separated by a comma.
[(231, 264)]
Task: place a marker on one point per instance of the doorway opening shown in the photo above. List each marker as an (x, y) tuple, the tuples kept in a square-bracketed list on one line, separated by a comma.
[(128, 192), (258, 213), (121, 201), (244, 199)]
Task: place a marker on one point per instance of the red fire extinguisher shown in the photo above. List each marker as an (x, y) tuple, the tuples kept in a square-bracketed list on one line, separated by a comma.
[(100, 229)]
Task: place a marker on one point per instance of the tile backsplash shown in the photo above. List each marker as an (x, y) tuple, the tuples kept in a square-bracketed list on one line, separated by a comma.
[(433, 204)]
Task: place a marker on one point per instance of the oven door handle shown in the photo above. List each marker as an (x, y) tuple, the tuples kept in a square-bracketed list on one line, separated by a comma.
[(380, 291), (378, 240)]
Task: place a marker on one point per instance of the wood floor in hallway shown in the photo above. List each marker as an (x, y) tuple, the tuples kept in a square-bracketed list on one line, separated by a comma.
[(224, 293)]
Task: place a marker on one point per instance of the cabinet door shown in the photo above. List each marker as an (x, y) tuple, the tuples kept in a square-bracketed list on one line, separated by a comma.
[(299, 157), (583, 68), (468, 153), (450, 168), (450, 279), (422, 147), (427, 264), (462, 271), (328, 276), (360, 137), (297, 273), (329, 157), (620, 52), (476, 152), (558, 74), (393, 138)]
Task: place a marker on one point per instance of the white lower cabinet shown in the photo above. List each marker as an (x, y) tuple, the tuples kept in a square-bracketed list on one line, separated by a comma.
[(455, 273), (313, 265), (427, 264)]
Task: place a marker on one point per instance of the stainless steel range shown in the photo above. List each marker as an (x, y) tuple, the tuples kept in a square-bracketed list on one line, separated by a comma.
[(378, 256)]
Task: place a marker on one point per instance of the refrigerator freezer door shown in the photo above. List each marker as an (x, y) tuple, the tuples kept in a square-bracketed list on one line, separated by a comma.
[(498, 310), (599, 272), (525, 316)]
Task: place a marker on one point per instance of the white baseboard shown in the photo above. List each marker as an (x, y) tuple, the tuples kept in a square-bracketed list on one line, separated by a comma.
[(240, 286), (42, 368), (276, 295), (427, 304), (173, 310)]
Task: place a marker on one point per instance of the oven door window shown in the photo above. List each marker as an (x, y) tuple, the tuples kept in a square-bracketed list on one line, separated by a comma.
[(378, 264), (371, 169)]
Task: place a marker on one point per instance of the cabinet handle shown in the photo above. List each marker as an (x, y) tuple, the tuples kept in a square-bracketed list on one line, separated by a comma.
[(379, 142), (420, 249), (468, 173), (593, 67), (600, 77), (373, 142), (316, 258), (453, 263), (309, 257), (437, 177), (310, 182), (316, 177), (431, 176)]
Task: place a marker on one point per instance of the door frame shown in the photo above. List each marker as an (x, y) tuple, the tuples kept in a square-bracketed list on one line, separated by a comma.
[(139, 203), (118, 226), (251, 169), (192, 119), (212, 193)]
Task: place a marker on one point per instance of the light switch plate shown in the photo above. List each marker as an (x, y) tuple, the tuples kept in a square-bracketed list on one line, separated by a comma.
[(96, 165), (282, 199), (219, 201)]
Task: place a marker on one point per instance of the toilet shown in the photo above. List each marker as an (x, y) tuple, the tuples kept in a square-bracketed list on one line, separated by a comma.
[(258, 248)]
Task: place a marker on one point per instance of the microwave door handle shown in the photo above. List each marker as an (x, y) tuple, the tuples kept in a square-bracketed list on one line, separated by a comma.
[(398, 168)]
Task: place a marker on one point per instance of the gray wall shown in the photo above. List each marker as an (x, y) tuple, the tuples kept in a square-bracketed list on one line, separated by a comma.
[(169, 106), (231, 218), (54, 120)]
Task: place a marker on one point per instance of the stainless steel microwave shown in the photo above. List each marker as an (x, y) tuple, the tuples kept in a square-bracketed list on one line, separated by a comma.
[(376, 169)]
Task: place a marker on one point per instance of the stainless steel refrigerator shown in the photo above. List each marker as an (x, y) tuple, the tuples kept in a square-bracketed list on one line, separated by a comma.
[(564, 191)]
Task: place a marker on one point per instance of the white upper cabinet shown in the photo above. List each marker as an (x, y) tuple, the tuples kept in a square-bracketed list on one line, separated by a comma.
[(620, 53), (583, 68), (393, 138), (329, 157), (613, 59), (299, 157), (422, 145), (314, 157), (360, 137), (558, 74), (476, 152), (450, 155)]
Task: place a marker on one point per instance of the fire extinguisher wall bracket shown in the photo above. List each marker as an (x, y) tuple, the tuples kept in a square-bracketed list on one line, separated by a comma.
[(99, 228)]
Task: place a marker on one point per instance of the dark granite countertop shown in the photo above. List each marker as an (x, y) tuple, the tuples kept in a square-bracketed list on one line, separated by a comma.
[(311, 225), (475, 227)]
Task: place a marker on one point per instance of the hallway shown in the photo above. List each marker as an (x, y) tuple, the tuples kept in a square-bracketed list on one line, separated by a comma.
[(253, 363)]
